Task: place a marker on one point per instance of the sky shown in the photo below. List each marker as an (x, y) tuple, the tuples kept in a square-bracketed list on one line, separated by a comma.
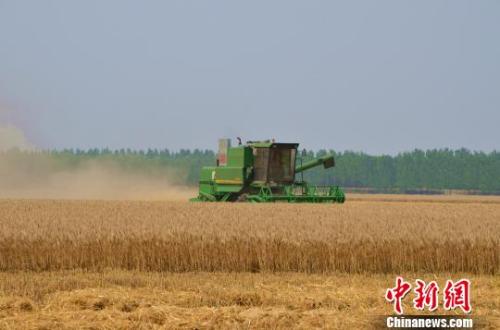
[(375, 76)]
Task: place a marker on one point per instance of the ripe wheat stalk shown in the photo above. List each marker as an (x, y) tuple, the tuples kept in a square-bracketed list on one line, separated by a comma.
[(358, 237)]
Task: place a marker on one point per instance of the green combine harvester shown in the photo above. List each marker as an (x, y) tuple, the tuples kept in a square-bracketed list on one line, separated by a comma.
[(263, 171)]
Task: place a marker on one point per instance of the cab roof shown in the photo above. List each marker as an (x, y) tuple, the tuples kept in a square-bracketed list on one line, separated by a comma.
[(270, 144)]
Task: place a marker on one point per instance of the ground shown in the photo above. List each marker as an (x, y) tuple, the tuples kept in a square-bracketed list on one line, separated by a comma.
[(118, 299), (143, 265)]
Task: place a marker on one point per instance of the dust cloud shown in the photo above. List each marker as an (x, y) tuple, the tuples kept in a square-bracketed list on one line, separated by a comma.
[(93, 180), (28, 173), (12, 137)]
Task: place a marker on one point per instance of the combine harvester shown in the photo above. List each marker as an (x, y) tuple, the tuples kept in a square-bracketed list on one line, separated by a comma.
[(263, 171)]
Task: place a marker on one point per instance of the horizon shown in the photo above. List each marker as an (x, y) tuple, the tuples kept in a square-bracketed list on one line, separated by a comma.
[(177, 151)]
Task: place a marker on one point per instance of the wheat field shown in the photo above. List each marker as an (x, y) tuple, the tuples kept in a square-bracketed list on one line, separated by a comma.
[(358, 237), (84, 264), (151, 300)]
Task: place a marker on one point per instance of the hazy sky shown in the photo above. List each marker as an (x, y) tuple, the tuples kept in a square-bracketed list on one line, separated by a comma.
[(374, 76)]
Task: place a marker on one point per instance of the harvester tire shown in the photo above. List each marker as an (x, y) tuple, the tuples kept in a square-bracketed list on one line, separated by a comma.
[(243, 198)]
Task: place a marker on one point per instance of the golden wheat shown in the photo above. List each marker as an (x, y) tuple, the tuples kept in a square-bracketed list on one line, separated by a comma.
[(357, 237), (140, 300)]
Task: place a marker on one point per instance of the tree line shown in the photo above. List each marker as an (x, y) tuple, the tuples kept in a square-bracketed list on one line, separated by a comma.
[(415, 171), (418, 170)]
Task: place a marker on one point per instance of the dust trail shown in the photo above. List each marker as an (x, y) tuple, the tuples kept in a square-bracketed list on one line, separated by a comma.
[(20, 177), (12, 137), (27, 173)]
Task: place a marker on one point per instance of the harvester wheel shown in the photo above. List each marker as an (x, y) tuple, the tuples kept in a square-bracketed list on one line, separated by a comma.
[(242, 198)]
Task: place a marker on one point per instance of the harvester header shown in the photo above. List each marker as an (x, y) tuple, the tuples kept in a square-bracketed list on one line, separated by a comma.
[(263, 171)]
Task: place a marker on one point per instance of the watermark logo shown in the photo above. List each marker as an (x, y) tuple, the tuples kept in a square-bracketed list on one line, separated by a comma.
[(396, 294), (455, 295), (426, 295)]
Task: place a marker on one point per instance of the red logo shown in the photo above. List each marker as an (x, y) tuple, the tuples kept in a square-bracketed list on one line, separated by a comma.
[(427, 295), (397, 294), (455, 295)]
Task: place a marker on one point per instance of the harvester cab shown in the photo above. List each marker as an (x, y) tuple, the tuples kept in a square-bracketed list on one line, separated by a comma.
[(263, 171)]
